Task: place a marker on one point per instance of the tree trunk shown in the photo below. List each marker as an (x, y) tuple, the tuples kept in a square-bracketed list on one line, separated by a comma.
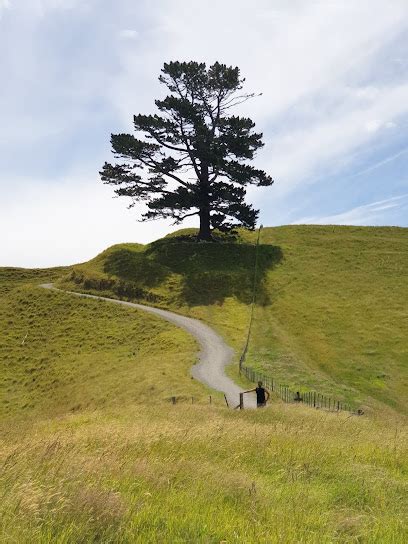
[(205, 226), (205, 223)]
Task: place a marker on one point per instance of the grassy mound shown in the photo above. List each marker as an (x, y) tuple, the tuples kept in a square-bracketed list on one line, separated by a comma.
[(330, 308)]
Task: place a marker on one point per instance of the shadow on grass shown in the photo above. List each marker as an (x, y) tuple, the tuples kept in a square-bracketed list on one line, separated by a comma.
[(208, 272)]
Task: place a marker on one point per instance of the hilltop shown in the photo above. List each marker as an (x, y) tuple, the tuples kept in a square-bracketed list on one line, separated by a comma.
[(330, 309)]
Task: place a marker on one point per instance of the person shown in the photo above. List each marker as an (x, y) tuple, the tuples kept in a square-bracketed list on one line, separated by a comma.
[(297, 397), (262, 395)]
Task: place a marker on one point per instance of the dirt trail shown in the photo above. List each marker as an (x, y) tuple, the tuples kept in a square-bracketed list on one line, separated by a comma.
[(214, 354)]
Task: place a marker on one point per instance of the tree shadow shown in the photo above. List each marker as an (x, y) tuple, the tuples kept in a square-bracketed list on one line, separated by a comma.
[(208, 272)]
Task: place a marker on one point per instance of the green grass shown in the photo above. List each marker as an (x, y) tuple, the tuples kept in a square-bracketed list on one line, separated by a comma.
[(331, 301), (338, 311), (60, 353), (13, 277), (91, 449), (203, 474)]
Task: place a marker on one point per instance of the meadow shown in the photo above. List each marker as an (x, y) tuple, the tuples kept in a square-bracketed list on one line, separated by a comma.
[(199, 473), (92, 449), (61, 354)]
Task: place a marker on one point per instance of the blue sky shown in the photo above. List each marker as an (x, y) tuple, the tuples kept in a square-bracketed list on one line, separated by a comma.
[(334, 110)]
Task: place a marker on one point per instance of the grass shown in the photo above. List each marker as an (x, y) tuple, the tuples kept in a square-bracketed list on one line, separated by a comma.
[(202, 474), (338, 311), (330, 310), (60, 353), (91, 449)]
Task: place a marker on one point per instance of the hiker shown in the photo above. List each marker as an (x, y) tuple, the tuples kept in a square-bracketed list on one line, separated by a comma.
[(297, 397), (262, 395)]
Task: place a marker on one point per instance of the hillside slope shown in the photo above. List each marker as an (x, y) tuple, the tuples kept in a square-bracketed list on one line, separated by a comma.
[(91, 449), (331, 302), (59, 354)]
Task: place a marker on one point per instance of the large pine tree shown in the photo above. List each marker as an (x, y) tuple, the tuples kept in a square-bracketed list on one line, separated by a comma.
[(190, 158)]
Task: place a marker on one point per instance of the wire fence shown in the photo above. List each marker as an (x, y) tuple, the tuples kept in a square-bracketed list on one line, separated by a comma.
[(312, 399), (217, 400)]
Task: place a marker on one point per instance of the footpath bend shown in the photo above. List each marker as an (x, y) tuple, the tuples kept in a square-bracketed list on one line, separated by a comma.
[(214, 353)]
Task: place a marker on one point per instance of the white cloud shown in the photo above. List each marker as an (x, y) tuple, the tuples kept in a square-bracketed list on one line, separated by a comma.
[(67, 222), (360, 215), (365, 93), (307, 59), (380, 163), (4, 4), (377, 124), (373, 126), (128, 34), (295, 154)]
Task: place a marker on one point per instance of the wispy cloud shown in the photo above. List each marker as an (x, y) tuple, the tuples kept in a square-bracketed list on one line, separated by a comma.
[(4, 4), (360, 215), (128, 34), (378, 164)]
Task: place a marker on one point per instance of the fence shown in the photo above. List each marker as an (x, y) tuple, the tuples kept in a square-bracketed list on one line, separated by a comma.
[(309, 398), (313, 399), (186, 399)]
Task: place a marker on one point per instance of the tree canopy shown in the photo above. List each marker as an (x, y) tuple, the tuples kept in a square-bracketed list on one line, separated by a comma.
[(192, 157)]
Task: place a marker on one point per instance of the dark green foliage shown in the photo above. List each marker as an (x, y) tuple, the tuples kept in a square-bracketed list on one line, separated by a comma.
[(123, 289), (189, 160)]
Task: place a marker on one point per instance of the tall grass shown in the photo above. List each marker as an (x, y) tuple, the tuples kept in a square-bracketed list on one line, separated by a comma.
[(163, 473)]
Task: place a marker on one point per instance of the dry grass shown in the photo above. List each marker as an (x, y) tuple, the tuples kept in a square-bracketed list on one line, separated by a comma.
[(205, 474)]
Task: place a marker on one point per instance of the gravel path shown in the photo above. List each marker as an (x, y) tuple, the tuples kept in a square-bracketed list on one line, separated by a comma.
[(214, 353)]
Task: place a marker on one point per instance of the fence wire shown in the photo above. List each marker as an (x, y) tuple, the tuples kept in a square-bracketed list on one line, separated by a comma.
[(312, 399)]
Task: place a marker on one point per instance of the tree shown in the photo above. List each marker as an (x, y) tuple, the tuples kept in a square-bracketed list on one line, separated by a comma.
[(190, 159)]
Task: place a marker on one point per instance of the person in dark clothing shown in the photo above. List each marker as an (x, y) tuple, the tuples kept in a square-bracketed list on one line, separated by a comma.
[(297, 397), (262, 395)]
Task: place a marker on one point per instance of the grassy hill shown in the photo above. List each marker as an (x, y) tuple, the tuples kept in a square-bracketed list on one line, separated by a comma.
[(91, 449), (60, 354), (330, 308)]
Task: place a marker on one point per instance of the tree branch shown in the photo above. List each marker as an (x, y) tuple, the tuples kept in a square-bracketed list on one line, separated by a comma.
[(179, 219)]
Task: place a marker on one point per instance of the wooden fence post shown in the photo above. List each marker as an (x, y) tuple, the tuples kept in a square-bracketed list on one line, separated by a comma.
[(173, 400), (210, 400), (241, 401)]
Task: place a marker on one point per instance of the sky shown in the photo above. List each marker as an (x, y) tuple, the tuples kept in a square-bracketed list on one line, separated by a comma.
[(334, 111)]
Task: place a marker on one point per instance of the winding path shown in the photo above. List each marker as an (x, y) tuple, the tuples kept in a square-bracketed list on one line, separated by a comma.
[(214, 354)]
